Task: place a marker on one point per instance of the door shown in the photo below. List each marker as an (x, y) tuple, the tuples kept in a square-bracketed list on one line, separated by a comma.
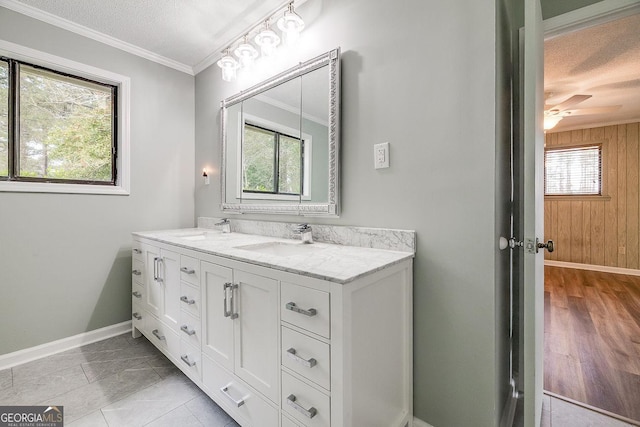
[(256, 332), (170, 274), (154, 292), (532, 265), (217, 324)]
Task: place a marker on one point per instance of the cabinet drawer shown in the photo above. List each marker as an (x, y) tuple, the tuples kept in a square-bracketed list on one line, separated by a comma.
[(190, 270), (137, 271), (306, 356), (163, 337), (138, 317), (286, 422), (137, 293), (190, 299), (304, 403), (190, 361), (229, 391), (306, 308), (190, 330), (136, 251)]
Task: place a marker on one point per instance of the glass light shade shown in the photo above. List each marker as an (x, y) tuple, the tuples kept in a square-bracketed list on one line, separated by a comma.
[(229, 66), (268, 40), (550, 121), (291, 25), (247, 54)]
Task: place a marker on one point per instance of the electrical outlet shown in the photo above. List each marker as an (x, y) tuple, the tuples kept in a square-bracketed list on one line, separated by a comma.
[(381, 155)]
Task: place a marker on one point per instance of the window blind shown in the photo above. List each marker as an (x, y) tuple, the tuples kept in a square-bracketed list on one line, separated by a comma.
[(573, 171)]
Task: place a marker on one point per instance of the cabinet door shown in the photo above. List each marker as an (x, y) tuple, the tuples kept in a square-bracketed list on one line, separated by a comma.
[(217, 329), (154, 295), (170, 276), (256, 332)]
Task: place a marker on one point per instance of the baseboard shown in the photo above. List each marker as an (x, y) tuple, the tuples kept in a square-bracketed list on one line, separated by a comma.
[(419, 423), (10, 360), (602, 268)]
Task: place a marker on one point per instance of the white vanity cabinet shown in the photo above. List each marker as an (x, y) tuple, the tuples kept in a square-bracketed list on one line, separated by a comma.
[(279, 348)]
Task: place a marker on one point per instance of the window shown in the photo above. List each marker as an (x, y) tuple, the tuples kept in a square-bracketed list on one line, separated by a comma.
[(273, 162), (573, 171), (64, 126)]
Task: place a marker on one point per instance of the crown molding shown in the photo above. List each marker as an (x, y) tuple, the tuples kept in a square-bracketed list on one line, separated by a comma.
[(94, 35)]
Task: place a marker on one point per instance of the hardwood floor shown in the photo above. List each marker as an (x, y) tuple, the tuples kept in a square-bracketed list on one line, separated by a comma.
[(592, 338)]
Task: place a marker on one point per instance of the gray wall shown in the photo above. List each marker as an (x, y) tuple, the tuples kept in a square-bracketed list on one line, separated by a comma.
[(421, 75), (65, 261)]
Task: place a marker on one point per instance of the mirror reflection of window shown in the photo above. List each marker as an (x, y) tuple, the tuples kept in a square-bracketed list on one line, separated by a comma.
[(272, 161)]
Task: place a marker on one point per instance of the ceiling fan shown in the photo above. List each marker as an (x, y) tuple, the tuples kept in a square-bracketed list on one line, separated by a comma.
[(554, 113)]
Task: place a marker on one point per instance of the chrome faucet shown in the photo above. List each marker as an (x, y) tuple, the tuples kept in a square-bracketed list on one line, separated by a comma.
[(225, 224), (305, 233)]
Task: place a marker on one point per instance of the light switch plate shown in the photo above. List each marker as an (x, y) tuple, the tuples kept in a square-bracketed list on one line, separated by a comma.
[(381, 155)]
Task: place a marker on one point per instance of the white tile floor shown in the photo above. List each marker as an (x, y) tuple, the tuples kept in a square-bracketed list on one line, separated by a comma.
[(118, 382), (126, 382), (559, 413)]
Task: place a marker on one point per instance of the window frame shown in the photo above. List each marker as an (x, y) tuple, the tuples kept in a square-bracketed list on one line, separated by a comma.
[(583, 196), (260, 122), (17, 54)]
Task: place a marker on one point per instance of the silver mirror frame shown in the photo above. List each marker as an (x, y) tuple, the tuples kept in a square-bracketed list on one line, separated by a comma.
[(331, 208)]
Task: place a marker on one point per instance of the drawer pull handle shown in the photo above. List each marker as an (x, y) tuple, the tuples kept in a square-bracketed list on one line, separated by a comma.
[(136, 272), (225, 391), (308, 363), (185, 329), (309, 413), (293, 307), (136, 294), (187, 300), (137, 316), (157, 334), (187, 270), (185, 359), (137, 251)]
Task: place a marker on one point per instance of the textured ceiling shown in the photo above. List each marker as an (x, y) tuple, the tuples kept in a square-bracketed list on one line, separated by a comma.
[(602, 61), (186, 31)]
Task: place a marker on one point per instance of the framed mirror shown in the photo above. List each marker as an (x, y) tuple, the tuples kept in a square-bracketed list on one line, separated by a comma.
[(281, 137)]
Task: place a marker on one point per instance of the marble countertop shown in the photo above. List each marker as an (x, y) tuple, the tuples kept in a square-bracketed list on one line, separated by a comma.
[(336, 263)]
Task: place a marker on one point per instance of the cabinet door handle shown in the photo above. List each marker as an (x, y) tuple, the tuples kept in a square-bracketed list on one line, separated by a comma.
[(229, 313), (187, 300), (309, 413), (137, 316), (225, 391), (185, 329), (293, 307), (136, 294), (136, 272), (137, 251), (187, 270), (308, 363), (157, 334), (155, 268), (185, 359)]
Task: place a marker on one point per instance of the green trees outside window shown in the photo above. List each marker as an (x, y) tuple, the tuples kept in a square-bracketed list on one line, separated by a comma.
[(271, 162), (64, 126)]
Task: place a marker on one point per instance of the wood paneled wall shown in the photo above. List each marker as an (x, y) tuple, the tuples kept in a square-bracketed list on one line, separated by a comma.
[(599, 230)]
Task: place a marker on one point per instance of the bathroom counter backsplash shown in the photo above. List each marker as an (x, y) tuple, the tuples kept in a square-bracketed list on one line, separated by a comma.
[(339, 254)]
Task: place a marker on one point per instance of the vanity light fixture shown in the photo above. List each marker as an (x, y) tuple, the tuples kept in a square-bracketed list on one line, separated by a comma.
[(229, 66), (246, 53), (291, 25), (267, 39)]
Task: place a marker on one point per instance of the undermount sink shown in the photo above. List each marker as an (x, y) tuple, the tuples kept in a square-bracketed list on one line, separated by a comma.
[(204, 235), (281, 248)]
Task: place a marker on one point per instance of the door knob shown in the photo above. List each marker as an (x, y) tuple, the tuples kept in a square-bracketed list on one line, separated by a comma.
[(548, 246)]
